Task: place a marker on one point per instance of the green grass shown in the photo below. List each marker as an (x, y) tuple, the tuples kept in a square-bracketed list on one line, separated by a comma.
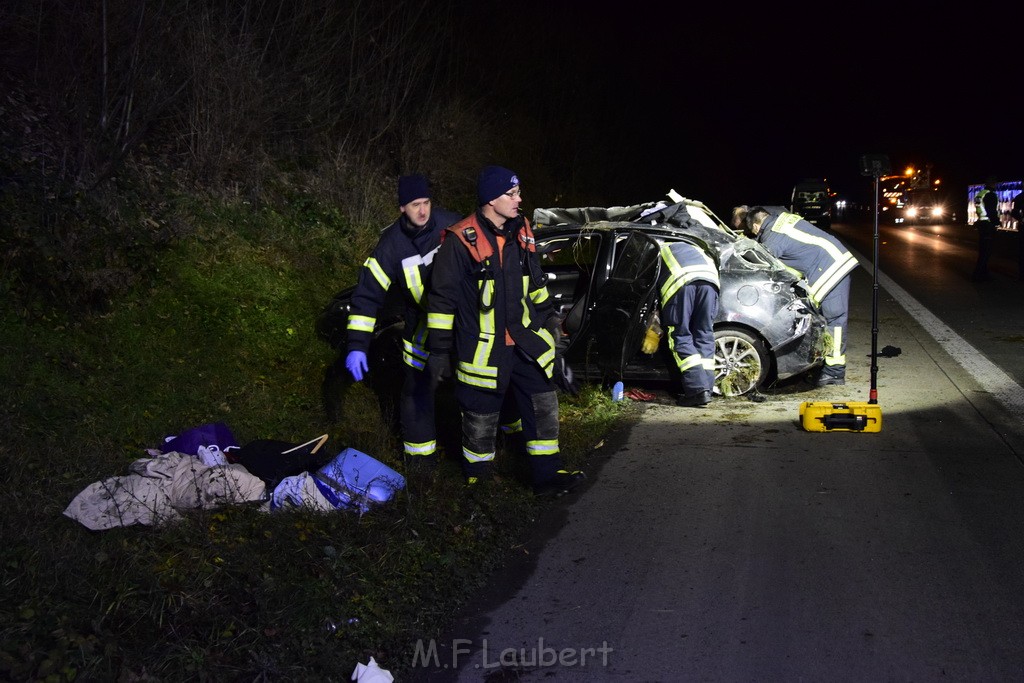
[(223, 331)]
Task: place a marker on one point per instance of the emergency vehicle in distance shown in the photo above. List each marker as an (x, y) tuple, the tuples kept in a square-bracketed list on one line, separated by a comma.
[(812, 201), (915, 197)]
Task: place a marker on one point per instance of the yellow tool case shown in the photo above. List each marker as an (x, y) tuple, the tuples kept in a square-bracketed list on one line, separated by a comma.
[(852, 416)]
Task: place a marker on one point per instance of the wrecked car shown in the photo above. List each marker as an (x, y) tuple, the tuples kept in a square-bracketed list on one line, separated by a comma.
[(602, 266)]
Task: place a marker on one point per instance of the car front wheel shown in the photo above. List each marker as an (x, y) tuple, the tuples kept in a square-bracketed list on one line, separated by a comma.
[(741, 362)]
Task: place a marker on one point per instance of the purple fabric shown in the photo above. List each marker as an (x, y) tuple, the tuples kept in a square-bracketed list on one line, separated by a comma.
[(190, 441)]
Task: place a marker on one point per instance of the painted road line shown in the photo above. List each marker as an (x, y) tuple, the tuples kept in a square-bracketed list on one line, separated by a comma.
[(986, 373)]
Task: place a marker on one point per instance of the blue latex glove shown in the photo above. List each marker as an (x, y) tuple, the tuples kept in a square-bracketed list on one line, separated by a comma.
[(355, 361)]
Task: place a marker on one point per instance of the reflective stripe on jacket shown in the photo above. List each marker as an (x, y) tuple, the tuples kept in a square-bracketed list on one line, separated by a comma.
[(686, 263), (404, 254), (488, 294), (985, 205), (815, 254)]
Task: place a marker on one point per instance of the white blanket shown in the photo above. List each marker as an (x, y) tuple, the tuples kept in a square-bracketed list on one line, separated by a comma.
[(158, 488)]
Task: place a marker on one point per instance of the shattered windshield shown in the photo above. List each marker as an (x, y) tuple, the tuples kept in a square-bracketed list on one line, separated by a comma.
[(811, 197)]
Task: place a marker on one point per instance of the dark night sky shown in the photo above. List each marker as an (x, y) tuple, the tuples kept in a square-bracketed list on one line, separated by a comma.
[(732, 107)]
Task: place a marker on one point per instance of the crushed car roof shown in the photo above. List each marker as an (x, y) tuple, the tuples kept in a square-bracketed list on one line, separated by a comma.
[(684, 213), (681, 217)]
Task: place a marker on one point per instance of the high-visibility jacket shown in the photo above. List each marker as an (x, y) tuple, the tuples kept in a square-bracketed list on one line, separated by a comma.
[(488, 293), (403, 257), (692, 320), (685, 263), (812, 253), (986, 204)]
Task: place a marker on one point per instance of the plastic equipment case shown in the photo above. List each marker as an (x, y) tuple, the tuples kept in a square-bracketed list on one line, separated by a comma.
[(354, 479), (851, 416)]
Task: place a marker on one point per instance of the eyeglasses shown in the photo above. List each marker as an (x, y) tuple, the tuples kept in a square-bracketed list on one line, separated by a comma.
[(514, 194)]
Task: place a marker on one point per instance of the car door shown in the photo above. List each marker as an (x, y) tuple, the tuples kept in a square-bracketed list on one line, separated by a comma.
[(623, 305)]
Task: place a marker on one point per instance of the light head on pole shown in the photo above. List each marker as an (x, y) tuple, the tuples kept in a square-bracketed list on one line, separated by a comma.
[(875, 165)]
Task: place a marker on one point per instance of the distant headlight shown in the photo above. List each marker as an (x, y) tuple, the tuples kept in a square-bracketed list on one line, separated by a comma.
[(911, 212), (937, 211)]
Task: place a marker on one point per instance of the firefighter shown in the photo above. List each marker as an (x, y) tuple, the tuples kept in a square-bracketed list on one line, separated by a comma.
[(825, 263), (739, 217), (689, 304), (489, 306), (986, 205), (1017, 213), (403, 258)]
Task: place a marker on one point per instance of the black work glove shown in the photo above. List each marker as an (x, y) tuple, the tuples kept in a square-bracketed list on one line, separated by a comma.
[(439, 365), (564, 378), (554, 328)]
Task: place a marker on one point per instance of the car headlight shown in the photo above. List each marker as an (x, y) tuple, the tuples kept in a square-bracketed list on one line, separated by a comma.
[(937, 211), (911, 212)]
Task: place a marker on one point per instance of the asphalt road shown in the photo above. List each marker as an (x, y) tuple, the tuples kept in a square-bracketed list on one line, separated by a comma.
[(729, 544), (933, 264)]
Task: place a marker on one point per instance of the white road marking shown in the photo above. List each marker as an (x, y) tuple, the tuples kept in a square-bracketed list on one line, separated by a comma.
[(990, 376)]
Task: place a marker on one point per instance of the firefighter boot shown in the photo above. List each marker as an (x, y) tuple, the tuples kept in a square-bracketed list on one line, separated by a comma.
[(832, 376), (701, 399), (562, 482)]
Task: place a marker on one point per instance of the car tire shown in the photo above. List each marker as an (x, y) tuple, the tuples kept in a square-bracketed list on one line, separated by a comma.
[(742, 362)]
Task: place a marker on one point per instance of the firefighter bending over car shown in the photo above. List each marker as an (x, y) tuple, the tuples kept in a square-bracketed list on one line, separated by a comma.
[(489, 306), (403, 258), (825, 263), (689, 304)]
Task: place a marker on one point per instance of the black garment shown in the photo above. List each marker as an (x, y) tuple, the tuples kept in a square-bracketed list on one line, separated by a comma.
[(1017, 213), (489, 306), (987, 203), (474, 307), (273, 460), (986, 240), (403, 260)]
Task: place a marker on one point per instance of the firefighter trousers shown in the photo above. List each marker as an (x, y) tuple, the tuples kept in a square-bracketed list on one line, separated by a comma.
[(416, 412), (536, 400), (693, 339), (836, 309)]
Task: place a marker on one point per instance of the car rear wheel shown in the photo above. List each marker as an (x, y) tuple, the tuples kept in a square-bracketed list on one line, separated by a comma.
[(741, 362)]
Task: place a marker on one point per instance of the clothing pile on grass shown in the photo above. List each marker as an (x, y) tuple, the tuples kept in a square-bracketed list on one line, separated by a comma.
[(205, 468)]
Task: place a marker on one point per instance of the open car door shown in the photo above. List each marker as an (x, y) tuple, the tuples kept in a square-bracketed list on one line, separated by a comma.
[(623, 305)]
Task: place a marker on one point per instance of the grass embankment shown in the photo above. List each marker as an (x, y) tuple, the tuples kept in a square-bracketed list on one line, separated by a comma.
[(224, 331)]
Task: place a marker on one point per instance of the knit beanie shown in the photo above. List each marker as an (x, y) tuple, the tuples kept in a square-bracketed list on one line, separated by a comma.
[(493, 182), (411, 188)]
